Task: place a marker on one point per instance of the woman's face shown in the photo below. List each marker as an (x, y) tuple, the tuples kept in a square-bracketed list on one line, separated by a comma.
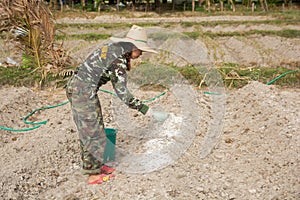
[(136, 53)]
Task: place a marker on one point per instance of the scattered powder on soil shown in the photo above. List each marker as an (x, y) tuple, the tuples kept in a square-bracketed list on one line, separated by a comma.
[(256, 156)]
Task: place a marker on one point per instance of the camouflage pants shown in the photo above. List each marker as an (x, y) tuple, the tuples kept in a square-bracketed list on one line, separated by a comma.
[(88, 118)]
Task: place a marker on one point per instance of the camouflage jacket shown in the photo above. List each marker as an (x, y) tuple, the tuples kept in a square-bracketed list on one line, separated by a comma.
[(109, 63)]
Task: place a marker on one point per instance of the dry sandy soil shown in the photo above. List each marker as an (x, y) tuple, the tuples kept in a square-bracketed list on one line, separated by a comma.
[(255, 155)]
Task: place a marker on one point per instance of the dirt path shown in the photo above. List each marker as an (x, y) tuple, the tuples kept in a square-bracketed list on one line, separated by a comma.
[(121, 19)]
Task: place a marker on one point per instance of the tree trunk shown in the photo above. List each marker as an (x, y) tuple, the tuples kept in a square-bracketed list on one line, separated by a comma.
[(97, 5), (83, 5), (222, 5), (201, 2), (232, 4), (61, 6), (208, 5), (53, 4), (264, 5), (157, 5), (147, 5), (118, 3), (253, 7), (173, 5), (193, 5), (133, 5)]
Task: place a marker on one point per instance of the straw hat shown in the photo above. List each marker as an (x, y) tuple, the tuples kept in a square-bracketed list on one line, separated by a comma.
[(137, 36)]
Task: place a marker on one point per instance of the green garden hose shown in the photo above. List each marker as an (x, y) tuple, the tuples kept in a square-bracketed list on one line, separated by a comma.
[(144, 101), (154, 98), (212, 93), (19, 130), (280, 76), (39, 124), (43, 108), (268, 83)]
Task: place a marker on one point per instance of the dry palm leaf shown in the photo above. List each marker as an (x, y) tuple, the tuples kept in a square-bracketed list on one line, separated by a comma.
[(33, 25)]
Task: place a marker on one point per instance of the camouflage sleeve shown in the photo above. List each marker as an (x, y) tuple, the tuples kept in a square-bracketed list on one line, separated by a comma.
[(119, 81)]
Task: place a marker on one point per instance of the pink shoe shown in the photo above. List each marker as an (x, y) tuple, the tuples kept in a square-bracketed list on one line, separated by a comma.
[(107, 170), (102, 178)]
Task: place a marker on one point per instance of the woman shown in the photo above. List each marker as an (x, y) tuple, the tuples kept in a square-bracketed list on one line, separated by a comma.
[(108, 63)]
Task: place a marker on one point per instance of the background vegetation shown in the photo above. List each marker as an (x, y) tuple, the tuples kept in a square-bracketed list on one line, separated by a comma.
[(45, 60)]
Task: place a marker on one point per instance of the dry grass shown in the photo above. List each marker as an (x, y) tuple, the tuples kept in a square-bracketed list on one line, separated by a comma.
[(32, 24)]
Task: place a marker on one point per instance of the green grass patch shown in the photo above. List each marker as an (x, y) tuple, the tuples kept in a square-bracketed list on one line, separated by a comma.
[(104, 25), (234, 76), (247, 23), (192, 74), (21, 76), (291, 21), (290, 33), (194, 35), (24, 76), (287, 15), (153, 74), (231, 76), (87, 37), (92, 25)]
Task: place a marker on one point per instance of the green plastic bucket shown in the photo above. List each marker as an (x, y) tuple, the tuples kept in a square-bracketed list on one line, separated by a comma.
[(109, 151)]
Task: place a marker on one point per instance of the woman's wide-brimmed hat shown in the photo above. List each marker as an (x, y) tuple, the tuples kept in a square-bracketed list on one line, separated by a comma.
[(137, 36)]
